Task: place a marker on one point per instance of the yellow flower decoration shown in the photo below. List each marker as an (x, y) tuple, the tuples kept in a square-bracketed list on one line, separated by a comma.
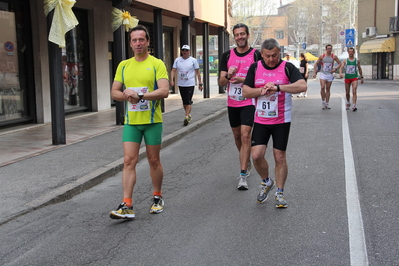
[(63, 20), (120, 17)]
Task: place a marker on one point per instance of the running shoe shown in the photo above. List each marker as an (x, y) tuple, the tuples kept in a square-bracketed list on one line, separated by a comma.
[(328, 106), (157, 205), (123, 212), (354, 108), (323, 106), (280, 200), (305, 95), (348, 105), (185, 122), (264, 192), (189, 118), (242, 184)]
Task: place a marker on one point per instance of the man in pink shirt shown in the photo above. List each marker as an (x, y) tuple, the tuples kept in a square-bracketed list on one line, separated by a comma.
[(271, 82), (233, 70)]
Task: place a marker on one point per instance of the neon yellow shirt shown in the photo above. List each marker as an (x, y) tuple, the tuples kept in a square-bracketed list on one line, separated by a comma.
[(142, 76)]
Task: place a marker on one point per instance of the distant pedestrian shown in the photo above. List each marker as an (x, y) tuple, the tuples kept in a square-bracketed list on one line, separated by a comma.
[(304, 69), (187, 69), (326, 75), (233, 70), (271, 82), (352, 70), (146, 80)]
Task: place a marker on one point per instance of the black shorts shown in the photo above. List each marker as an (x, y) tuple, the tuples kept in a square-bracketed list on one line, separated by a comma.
[(241, 115), (280, 132), (186, 94), (303, 75)]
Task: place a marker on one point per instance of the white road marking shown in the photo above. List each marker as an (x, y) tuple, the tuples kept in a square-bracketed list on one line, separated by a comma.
[(357, 240)]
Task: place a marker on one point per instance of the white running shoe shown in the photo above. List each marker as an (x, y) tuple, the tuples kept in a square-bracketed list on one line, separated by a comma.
[(242, 184)]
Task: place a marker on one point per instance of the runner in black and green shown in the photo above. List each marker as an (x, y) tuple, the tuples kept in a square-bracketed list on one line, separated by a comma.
[(146, 80)]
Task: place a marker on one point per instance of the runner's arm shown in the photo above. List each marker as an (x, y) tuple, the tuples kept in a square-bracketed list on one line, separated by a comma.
[(297, 87), (248, 89), (172, 77), (338, 61), (316, 67), (116, 91), (223, 70), (360, 71), (160, 93), (198, 73), (341, 67)]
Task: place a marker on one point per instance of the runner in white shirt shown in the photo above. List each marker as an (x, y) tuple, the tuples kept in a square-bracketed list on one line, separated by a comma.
[(187, 69), (326, 75)]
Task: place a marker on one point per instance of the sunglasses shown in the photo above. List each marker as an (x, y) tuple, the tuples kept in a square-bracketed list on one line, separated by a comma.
[(185, 50)]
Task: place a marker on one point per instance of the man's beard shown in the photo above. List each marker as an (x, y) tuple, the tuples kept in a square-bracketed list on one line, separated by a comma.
[(242, 45)]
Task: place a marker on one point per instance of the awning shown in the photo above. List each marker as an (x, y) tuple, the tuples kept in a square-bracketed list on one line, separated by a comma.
[(382, 45), (310, 57)]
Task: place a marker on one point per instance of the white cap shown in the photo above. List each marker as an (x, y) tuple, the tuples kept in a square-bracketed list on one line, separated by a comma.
[(186, 47)]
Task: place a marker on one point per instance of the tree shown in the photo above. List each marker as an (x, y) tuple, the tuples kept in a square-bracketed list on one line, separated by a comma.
[(255, 14), (319, 22)]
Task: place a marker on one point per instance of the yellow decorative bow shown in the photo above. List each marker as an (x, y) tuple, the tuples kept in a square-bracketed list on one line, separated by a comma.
[(63, 20), (120, 17)]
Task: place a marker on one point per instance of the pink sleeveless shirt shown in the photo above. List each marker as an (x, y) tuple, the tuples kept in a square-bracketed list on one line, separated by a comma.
[(275, 108), (234, 91)]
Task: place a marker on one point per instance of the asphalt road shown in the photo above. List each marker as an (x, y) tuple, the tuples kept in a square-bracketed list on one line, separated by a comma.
[(341, 191)]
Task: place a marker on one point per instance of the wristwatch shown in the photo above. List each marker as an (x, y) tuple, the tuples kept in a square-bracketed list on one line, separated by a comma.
[(278, 87), (140, 94), (227, 77)]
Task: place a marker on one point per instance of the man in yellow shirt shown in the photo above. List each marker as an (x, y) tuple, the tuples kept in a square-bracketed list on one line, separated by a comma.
[(146, 80)]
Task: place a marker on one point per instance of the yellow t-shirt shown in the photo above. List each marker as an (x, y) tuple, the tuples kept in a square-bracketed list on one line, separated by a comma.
[(142, 76)]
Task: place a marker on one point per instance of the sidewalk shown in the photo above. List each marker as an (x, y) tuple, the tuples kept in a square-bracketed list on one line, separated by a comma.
[(35, 173)]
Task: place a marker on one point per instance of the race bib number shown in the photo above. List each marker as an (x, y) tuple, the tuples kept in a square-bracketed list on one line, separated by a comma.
[(327, 67), (183, 75), (267, 106), (351, 69), (302, 70), (142, 105), (235, 92)]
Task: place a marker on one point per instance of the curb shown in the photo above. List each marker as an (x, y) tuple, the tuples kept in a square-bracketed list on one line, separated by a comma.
[(94, 178)]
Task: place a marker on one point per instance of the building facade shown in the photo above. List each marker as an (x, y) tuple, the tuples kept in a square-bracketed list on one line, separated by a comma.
[(88, 61), (378, 35)]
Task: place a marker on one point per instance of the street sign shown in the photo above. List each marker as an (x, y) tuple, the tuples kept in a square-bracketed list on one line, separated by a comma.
[(342, 35), (304, 46), (349, 37)]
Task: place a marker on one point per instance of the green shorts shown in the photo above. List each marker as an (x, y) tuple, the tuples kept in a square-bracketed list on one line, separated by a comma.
[(152, 133)]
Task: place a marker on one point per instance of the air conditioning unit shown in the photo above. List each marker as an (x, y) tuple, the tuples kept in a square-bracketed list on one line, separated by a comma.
[(370, 31), (394, 24)]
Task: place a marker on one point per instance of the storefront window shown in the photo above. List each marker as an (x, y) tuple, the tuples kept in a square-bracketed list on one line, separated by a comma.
[(75, 66), (12, 94)]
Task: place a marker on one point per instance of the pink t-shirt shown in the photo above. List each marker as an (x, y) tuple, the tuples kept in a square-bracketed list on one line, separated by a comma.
[(234, 91), (275, 108)]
